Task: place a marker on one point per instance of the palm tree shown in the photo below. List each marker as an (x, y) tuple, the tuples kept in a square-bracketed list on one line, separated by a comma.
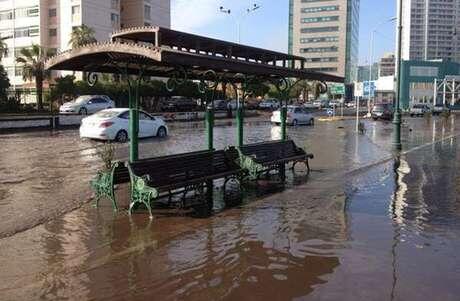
[(81, 35), (33, 67)]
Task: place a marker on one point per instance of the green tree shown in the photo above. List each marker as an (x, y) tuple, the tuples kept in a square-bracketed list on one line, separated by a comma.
[(81, 35), (4, 83), (306, 88), (33, 64), (64, 86)]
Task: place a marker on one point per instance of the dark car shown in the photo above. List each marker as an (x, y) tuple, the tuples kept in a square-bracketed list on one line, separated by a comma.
[(179, 104), (455, 107), (382, 111)]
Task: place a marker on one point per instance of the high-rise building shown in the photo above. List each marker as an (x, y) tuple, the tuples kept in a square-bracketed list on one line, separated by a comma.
[(49, 23), (431, 29), (363, 72), (387, 65), (325, 32)]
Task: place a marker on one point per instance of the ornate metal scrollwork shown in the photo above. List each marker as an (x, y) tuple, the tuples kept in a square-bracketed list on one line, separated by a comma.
[(178, 77), (92, 78), (281, 84), (208, 82)]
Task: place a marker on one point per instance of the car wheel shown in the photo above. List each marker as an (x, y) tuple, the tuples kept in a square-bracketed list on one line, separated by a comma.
[(294, 122), (161, 133), (122, 136), (83, 111)]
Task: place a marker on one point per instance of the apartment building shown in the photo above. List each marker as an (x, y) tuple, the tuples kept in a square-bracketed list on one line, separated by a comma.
[(387, 65), (431, 30), (326, 32), (49, 23)]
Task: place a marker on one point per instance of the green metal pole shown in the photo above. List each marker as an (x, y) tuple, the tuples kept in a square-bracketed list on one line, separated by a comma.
[(397, 115), (239, 124), (210, 128), (133, 128), (283, 122)]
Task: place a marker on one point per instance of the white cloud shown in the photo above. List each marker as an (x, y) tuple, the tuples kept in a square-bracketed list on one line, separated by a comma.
[(191, 15)]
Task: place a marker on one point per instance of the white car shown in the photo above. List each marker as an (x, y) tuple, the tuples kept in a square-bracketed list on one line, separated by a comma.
[(112, 124), (419, 109), (270, 104), (87, 104), (295, 115)]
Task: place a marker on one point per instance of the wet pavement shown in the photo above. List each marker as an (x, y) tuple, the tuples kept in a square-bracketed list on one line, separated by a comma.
[(366, 225)]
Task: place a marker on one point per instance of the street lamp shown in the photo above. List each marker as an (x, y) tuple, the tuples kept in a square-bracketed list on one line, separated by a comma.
[(371, 59), (249, 10), (397, 115)]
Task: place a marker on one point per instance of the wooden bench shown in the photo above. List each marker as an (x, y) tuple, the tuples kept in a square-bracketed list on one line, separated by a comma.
[(104, 183), (259, 158), (152, 179)]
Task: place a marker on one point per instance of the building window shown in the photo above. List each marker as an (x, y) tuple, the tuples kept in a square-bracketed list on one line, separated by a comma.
[(319, 40), (115, 19), (114, 4), (147, 12), (75, 13), (52, 32), (320, 9), (52, 12), (320, 29), (319, 49), (31, 31), (320, 19), (18, 71), (6, 15), (33, 12)]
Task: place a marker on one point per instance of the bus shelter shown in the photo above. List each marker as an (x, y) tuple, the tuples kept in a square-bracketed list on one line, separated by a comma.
[(138, 54)]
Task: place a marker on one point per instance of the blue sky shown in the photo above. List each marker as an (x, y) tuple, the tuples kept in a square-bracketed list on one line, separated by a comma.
[(268, 26)]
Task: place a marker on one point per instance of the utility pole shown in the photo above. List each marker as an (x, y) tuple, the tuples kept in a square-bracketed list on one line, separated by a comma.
[(239, 19), (397, 115)]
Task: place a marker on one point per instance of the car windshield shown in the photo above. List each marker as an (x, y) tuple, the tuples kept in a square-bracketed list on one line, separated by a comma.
[(107, 114), (379, 108), (81, 99)]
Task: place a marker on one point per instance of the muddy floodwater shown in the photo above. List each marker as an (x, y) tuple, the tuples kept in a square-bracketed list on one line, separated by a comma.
[(367, 224)]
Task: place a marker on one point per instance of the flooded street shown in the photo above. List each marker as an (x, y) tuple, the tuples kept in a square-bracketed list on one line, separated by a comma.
[(366, 225)]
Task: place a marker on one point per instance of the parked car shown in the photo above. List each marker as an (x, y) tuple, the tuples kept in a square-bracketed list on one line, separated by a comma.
[(112, 124), (179, 104), (455, 107), (218, 105), (295, 115), (312, 105), (440, 108), (269, 104), (419, 110), (350, 104), (233, 104), (251, 104), (87, 104), (382, 111)]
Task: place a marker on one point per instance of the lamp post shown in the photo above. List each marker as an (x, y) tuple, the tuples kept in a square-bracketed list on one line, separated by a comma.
[(371, 59), (249, 10), (397, 115), (240, 100)]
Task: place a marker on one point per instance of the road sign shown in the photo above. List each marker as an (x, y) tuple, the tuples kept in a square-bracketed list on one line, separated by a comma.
[(359, 89), (369, 89), (338, 89)]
